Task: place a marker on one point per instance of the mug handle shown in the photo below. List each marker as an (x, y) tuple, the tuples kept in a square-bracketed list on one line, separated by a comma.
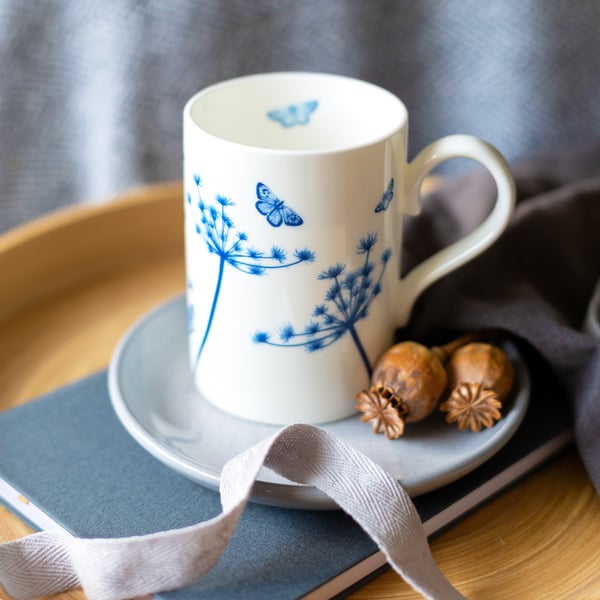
[(476, 241)]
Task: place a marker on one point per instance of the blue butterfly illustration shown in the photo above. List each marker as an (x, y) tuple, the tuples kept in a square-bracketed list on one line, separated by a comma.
[(274, 209), (386, 198), (294, 114)]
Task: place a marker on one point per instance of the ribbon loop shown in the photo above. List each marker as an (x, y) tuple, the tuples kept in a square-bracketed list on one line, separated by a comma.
[(119, 568)]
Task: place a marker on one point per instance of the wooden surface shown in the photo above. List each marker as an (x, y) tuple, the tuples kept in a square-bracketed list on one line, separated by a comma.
[(71, 283)]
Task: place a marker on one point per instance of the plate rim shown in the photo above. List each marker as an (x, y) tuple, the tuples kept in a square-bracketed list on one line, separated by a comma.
[(278, 494)]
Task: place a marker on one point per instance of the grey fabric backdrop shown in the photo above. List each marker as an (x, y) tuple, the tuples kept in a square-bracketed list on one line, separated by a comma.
[(92, 92)]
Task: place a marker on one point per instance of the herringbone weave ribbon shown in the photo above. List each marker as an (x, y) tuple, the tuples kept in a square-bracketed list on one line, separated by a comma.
[(115, 569)]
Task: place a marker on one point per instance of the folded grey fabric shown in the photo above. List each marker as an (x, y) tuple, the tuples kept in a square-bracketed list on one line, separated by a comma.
[(535, 282)]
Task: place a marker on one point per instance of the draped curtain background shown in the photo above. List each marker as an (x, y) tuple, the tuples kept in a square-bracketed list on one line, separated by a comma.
[(92, 92)]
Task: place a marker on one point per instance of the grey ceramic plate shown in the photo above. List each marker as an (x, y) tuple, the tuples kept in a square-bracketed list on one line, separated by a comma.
[(154, 397)]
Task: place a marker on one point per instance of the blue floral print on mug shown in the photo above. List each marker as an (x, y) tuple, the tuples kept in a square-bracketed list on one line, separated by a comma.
[(232, 248), (347, 301)]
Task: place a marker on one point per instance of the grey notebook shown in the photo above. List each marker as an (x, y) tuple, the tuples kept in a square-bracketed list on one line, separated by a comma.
[(66, 462)]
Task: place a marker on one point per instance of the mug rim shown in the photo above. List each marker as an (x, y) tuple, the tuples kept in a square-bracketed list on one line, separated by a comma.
[(189, 121)]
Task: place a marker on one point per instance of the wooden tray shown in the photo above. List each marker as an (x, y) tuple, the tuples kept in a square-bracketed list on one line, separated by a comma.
[(71, 284)]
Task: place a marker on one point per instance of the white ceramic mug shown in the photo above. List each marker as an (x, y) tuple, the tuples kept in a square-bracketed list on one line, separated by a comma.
[(296, 184)]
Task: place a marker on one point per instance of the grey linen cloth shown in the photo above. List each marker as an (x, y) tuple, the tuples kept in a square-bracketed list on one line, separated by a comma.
[(535, 282)]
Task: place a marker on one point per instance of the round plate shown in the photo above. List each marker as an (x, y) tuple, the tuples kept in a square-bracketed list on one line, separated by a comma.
[(153, 394)]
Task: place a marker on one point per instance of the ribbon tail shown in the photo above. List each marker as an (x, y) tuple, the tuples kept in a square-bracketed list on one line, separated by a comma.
[(375, 500), (109, 569), (37, 565)]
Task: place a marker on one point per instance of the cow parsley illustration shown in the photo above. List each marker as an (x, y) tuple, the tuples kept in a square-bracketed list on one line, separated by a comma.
[(347, 301), (232, 247)]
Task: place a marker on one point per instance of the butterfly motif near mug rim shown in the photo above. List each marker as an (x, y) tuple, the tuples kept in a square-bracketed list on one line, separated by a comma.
[(384, 203), (294, 114), (274, 209)]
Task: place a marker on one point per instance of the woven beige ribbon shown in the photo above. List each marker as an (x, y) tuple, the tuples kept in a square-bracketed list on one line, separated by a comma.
[(115, 569)]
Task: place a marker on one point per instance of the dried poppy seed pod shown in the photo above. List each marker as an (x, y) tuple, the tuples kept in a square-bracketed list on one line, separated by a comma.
[(407, 383), (478, 362), (480, 377)]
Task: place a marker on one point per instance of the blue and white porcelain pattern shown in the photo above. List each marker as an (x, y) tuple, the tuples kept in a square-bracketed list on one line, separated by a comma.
[(386, 198), (231, 247), (274, 209), (299, 184), (346, 301), (294, 114)]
